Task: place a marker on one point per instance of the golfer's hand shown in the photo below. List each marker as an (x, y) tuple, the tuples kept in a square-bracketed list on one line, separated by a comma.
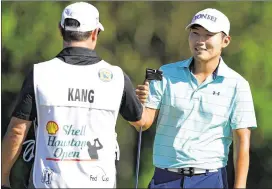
[(142, 92)]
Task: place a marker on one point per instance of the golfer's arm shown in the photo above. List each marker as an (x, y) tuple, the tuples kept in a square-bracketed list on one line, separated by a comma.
[(11, 145), (148, 117), (241, 144)]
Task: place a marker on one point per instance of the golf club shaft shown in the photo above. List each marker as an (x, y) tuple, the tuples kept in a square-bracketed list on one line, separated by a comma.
[(138, 157)]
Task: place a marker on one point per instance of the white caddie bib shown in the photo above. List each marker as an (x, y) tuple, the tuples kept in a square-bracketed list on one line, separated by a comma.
[(77, 108)]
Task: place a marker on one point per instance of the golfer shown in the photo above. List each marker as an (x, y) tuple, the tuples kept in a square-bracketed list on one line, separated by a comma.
[(201, 106), (76, 98)]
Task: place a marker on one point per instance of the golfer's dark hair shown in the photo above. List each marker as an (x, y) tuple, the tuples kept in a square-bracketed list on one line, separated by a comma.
[(223, 35), (194, 26), (70, 36)]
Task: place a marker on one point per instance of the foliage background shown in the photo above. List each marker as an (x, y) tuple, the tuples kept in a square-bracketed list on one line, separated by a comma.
[(139, 35)]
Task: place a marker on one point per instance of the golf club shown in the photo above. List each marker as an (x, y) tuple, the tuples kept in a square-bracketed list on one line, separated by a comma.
[(150, 74)]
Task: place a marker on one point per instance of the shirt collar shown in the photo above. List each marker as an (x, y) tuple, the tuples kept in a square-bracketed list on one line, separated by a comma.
[(78, 56), (77, 51), (221, 70)]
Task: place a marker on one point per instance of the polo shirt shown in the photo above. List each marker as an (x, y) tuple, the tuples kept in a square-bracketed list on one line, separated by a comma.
[(195, 121)]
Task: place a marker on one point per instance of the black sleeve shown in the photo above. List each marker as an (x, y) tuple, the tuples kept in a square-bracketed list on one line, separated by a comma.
[(26, 106), (131, 108)]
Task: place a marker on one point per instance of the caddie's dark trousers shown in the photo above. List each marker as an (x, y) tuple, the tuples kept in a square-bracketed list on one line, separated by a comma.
[(166, 179)]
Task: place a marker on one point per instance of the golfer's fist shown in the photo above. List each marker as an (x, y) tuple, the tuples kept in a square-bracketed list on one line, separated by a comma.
[(142, 92)]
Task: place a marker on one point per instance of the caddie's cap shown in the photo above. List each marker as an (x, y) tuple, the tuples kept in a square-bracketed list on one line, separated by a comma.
[(86, 14)]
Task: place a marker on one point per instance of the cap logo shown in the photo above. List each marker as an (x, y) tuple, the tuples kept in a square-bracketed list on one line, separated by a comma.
[(68, 12), (205, 16)]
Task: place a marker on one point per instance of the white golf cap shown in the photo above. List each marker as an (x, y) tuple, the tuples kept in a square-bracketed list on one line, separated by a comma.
[(86, 14), (212, 20)]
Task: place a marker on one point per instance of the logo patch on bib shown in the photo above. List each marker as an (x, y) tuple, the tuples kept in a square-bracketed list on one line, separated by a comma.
[(105, 75), (47, 175)]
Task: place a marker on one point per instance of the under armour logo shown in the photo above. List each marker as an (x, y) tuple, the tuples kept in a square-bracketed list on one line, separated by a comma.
[(216, 93)]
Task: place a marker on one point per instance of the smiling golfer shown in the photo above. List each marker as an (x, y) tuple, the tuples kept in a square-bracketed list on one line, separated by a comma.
[(201, 105)]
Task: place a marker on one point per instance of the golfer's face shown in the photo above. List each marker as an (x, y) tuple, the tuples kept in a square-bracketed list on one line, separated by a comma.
[(204, 45)]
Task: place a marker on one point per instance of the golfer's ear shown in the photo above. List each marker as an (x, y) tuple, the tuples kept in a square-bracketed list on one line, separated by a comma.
[(226, 41)]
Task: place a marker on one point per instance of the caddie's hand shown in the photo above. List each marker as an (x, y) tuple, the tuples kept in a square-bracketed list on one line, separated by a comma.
[(142, 92)]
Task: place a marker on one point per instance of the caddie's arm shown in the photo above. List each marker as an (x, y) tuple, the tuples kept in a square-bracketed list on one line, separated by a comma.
[(241, 144), (131, 108), (12, 145), (22, 117)]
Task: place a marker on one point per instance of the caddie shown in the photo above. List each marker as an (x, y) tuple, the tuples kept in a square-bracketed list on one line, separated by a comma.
[(76, 98)]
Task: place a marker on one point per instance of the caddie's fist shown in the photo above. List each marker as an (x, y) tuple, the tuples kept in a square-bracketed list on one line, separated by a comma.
[(142, 92)]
